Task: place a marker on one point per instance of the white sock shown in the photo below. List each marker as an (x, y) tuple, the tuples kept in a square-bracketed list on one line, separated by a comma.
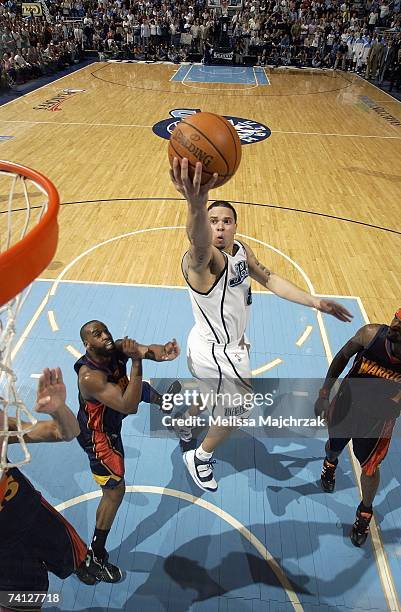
[(202, 454)]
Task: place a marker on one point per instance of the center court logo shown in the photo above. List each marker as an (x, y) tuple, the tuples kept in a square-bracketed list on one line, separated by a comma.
[(249, 131)]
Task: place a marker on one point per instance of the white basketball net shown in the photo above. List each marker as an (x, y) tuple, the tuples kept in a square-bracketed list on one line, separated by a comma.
[(17, 216)]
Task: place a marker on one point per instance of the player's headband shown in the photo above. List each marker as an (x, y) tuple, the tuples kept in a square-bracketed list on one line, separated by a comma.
[(398, 314)]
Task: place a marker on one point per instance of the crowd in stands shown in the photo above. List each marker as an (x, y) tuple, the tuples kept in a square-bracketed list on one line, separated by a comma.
[(362, 36)]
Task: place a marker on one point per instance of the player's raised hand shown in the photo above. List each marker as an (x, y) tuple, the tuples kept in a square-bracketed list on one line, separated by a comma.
[(51, 392), (131, 348), (195, 193), (335, 309), (171, 350)]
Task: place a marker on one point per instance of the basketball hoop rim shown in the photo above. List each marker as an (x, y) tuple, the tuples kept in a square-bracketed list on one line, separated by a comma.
[(28, 257)]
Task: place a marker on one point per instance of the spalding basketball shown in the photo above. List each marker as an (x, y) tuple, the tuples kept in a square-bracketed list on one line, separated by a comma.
[(210, 139)]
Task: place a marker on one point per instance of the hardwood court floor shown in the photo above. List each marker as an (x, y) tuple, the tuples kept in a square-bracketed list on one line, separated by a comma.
[(330, 153)]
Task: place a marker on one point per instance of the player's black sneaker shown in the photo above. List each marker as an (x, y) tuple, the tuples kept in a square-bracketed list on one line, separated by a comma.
[(100, 569), (361, 527), (328, 477), (188, 444), (83, 574)]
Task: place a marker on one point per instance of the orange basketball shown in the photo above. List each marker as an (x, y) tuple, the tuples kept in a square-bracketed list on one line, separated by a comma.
[(210, 139)]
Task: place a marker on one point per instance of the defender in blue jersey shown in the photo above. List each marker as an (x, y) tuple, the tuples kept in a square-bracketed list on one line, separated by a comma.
[(34, 538), (364, 410), (106, 397)]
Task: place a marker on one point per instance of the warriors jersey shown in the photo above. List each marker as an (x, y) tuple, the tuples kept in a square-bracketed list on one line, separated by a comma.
[(221, 314), (19, 503), (94, 415), (373, 384)]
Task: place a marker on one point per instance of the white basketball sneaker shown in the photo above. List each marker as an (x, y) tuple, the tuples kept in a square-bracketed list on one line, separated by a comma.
[(201, 471)]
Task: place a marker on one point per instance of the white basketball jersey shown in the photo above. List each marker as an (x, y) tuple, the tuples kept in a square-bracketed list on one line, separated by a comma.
[(221, 314)]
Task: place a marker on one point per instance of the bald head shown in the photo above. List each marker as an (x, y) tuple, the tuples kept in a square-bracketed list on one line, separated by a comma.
[(97, 339), (86, 328)]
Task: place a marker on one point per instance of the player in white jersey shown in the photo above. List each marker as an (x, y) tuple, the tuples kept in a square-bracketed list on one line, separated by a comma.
[(217, 269)]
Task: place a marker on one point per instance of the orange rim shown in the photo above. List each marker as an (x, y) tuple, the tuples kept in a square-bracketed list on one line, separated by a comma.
[(26, 259)]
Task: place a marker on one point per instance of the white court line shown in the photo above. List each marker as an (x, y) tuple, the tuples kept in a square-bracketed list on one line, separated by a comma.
[(177, 71), (74, 352), (133, 125), (30, 325), (255, 76), (304, 336), (378, 88), (90, 282), (47, 85), (267, 366), (345, 297), (222, 514), (339, 135), (112, 125), (36, 375), (363, 311), (237, 89), (57, 280), (52, 320), (384, 570), (187, 73), (380, 555)]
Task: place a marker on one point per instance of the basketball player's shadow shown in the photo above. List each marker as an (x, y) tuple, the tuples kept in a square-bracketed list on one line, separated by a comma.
[(246, 452), (191, 581), (291, 493), (271, 465), (194, 582)]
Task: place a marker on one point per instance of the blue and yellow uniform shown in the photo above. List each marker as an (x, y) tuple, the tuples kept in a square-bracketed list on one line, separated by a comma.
[(34, 538), (367, 404), (100, 425)]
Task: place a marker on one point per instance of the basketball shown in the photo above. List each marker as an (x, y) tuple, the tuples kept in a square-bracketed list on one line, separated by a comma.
[(210, 139)]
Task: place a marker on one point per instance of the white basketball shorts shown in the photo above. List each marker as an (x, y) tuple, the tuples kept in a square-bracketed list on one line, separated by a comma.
[(223, 373)]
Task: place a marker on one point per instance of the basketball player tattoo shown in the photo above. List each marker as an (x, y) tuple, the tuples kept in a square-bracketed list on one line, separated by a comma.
[(264, 270), (199, 257)]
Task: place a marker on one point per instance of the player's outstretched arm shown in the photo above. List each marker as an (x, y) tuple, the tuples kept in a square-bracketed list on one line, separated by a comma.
[(361, 339), (162, 352), (51, 397), (154, 352), (198, 227), (288, 291)]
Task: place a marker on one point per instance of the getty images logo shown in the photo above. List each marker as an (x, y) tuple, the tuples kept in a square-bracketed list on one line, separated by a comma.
[(249, 131)]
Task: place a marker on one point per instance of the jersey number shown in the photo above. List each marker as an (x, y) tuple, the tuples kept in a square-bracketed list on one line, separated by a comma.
[(11, 489)]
